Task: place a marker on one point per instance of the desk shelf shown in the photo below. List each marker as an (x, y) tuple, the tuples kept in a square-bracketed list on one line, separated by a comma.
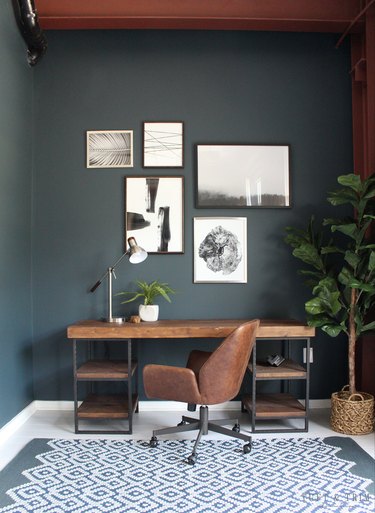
[(275, 406), (106, 407), (110, 406), (278, 406), (287, 370), (107, 370)]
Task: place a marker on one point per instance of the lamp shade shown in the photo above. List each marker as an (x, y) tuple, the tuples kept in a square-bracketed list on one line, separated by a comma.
[(136, 253)]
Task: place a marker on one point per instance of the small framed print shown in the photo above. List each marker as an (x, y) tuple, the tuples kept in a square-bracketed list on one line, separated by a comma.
[(109, 148), (163, 144), (154, 212), (242, 176), (220, 250)]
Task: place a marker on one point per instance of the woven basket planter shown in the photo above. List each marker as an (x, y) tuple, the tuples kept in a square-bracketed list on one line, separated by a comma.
[(352, 414)]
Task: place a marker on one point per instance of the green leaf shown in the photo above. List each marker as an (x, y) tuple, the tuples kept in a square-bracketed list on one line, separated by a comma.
[(317, 321), (309, 254), (350, 230), (352, 258), (371, 262), (332, 329), (343, 196), (369, 326), (331, 249), (316, 306), (351, 180)]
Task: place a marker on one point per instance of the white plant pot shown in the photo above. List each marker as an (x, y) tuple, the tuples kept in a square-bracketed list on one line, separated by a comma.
[(149, 313)]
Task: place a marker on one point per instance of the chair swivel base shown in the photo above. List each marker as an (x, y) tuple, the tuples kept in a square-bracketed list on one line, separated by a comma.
[(203, 425)]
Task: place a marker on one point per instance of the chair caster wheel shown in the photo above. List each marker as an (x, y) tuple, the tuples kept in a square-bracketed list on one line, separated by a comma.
[(191, 459), (182, 423), (247, 448), (236, 428), (154, 442)]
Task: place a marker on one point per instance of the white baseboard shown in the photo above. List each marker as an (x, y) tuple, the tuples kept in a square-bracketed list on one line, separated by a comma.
[(17, 421), (13, 425), (166, 405)]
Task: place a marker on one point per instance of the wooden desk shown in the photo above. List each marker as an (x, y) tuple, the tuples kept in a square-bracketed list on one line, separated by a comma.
[(93, 330)]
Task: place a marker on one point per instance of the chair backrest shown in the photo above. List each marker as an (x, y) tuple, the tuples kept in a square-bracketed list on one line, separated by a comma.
[(221, 376)]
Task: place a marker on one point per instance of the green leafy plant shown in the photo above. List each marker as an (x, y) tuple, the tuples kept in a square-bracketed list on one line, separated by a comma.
[(341, 270), (149, 291)]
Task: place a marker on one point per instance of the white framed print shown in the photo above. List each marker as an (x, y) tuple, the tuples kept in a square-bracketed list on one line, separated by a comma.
[(154, 212), (163, 144), (109, 148), (220, 250)]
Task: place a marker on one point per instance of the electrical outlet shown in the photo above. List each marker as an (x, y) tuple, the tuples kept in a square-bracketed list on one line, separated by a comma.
[(311, 354)]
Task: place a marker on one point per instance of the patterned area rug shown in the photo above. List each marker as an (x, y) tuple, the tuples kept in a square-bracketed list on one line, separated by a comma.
[(117, 476)]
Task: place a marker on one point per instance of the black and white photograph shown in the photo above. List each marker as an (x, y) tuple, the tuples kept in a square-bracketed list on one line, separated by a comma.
[(154, 212), (109, 148), (163, 144), (242, 176), (220, 250)]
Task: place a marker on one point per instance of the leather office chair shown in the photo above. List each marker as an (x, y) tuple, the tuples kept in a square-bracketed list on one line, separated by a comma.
[(208, 378)]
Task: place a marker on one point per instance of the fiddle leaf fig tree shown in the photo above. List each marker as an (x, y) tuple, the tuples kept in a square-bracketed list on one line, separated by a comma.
[(340, 265)]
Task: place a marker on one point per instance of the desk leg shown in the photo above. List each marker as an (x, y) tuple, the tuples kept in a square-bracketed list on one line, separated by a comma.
[(130, 387), (254, 392), (307, 405), (75, 386)]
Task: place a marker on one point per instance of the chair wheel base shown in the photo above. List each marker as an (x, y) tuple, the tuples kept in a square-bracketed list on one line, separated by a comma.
[(190, 460), (247, 448), (236, 428), (154, 442)]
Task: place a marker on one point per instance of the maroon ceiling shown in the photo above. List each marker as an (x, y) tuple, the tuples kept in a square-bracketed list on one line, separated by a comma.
[(279, 15)]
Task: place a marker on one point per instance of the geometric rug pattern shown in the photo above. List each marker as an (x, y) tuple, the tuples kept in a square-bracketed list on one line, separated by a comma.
[(127, 476)]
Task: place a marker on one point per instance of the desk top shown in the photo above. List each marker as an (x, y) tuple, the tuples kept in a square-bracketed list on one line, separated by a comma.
[(196, 328)]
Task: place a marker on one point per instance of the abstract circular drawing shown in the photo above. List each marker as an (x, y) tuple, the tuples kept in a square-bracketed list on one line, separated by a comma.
[(221, 250)]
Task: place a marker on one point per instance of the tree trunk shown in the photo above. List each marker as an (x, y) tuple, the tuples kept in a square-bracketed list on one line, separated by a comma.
[(352, 341)]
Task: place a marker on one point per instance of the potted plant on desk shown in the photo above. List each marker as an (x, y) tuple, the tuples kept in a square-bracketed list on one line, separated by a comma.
[(343, 288), (148, 311)]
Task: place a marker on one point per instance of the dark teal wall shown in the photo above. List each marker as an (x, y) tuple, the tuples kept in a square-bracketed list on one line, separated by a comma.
[(229, 87), (16, 128)]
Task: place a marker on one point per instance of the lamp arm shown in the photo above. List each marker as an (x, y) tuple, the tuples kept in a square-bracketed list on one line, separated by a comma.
[(110, 269)]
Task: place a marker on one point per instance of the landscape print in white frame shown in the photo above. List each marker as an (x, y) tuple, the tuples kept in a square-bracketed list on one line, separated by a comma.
[(242, 176), (163, 144), (109, 148), (220, 250), (154, 212)]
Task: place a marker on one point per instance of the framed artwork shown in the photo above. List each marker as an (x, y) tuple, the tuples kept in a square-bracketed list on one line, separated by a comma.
[(220, 250), (109, 148), (154, 212), (163, 144), (242, 176)]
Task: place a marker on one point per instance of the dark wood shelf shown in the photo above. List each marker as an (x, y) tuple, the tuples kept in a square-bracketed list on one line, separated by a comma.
[(105, 370), (106, 407), (287, 370), (275, 406)]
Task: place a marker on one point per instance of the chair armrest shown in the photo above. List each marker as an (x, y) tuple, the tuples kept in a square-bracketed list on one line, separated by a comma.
[(171, 383)]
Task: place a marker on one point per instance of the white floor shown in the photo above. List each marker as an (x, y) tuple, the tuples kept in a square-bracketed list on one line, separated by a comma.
[(59, 424)]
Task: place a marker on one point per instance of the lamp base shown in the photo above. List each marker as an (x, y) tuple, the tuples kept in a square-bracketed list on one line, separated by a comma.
[(115, 320)]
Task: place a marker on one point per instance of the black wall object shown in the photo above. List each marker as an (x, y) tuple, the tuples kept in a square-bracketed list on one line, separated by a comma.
[(27, 20)]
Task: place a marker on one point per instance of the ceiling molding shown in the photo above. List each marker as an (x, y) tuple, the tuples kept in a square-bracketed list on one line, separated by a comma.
[(269, 15)]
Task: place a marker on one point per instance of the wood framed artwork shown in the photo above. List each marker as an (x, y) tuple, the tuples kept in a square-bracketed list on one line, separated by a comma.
[(220, 250), (163, 144), (242, 176), (109, 148), (154, 212)]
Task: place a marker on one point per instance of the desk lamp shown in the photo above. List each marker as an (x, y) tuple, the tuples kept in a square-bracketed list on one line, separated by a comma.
[(136, 256)]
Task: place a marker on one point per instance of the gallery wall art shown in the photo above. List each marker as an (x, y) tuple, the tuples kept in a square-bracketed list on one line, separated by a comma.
[(242, 176), (163, 144), (154, 212), (109, 148), (220, 250)]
